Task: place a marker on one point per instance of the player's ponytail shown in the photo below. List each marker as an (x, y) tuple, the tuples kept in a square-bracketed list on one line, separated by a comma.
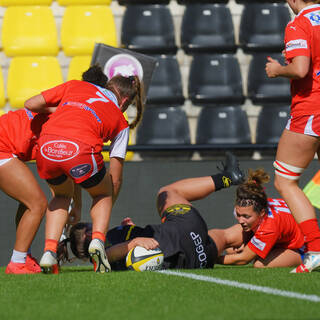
[(62, 251), (130, 88), (252, 192)]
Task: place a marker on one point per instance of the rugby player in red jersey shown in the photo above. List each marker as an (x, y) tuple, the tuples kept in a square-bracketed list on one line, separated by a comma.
[(300, 140)]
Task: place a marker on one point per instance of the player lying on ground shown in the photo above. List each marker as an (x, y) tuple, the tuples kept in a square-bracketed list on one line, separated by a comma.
[(183, 234)]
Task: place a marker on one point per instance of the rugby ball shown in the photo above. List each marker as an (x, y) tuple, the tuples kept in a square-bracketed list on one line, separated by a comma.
[(141, 259)]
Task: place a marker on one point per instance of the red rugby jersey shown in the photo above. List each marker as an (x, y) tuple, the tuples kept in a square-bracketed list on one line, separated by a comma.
[(19, 131), (85, 112), (278, 229), (302, 38)]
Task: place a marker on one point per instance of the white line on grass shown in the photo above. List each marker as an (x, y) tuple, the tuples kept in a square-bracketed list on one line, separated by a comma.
[(246, 286)]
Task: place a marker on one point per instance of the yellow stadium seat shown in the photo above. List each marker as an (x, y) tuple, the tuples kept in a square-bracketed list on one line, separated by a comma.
[(82, 26), (129, 154), (83, 2), (29, 31), (2, 92), (77, 66), (29, 76), (7, 3)]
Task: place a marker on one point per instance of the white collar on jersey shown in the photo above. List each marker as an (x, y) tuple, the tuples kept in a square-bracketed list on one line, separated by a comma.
[(308, 8), (109, 94)]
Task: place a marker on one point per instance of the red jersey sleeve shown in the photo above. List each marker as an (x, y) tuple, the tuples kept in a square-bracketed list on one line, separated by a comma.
[(297, 40), (54, 95), (264, 239)]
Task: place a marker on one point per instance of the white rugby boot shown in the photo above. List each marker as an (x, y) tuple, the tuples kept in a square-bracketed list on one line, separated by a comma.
[(311, 262), (49, 263), (98, 255)]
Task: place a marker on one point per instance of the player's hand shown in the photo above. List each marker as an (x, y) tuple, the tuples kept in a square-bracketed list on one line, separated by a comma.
[(147, 243), (127, 222), (272, 67)]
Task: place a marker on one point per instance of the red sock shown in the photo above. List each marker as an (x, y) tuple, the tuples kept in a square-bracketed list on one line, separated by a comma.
[(311, 232), (51, 244), (99, 235)]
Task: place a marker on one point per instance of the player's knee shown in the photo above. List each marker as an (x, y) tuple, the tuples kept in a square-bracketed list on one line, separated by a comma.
[(39, 207)]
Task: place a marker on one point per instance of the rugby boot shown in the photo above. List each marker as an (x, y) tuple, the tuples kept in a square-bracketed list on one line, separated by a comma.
[(311, 262), (49, 263), (231, 169), (18, 268), (32, 264), (98, 256)]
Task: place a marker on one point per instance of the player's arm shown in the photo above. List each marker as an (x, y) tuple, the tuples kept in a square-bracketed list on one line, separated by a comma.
[(297, 69), (119, 251), (38, 104), (242, 258)]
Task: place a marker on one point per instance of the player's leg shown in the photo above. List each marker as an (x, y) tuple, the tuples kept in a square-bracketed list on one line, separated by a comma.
[(100, 212), (186, 190), (295, 152), (17, 181), (279, 258), (56, 218)]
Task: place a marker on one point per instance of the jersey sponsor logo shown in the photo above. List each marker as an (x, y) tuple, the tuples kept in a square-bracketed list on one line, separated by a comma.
[(29, 113), (123, 64), (59, 150), (258, 243), (318, 73), (85, 107), (179, 209), (80, 170), (296, 44), (314, 17), (202, 257)]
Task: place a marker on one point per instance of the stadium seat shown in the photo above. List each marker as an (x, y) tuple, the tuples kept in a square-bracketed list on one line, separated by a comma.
[(265, 1), (201, 1), (2, 91), (271, 122), (215, 80), (83, 26), (29, 76), (164, 126), (148, 29), (7, 3), (207, 28), (264, 90), (83, 2), (29, 30), (262, 27), (126, 2), (77, 66), (223, 125), (166, 85)]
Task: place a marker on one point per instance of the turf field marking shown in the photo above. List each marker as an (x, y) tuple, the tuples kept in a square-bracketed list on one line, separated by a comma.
[(246, 286)]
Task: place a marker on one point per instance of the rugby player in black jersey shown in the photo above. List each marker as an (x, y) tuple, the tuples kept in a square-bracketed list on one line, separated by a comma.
[(182, 235)]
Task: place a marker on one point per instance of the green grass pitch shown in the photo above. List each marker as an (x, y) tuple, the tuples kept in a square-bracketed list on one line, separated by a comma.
[(77, 293)]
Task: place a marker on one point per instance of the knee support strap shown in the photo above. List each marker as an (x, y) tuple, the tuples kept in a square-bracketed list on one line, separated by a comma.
[(287, 171)]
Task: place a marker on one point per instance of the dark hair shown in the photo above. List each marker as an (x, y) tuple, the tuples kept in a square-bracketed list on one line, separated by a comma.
[(251, 192), (95, 75), (131, 88), (79, 238)]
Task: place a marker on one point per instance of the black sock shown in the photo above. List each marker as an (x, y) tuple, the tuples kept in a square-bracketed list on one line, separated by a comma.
[(221, 181)]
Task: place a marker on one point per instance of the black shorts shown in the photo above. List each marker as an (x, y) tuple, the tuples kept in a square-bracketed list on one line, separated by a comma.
[(183, 238)]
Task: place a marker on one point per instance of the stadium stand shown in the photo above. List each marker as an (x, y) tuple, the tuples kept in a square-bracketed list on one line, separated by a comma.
[(2, 91), (77, 66), (126, 2), (202, 1), (221, 126), (207, 28), (29, 76), (261, 89), (148, 29), (262, 27), (166, 84), (29, 30), (83, 2), (83, 26), (7, 3), (215, 79), (164, 126)]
